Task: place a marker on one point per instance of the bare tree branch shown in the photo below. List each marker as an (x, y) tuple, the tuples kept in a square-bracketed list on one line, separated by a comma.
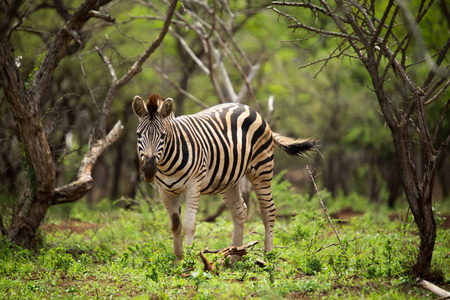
[(100, 129), (99, 15), (7, 19), (190, 52), (382, 22), (136, 68), (185, 93), (58, 47), (429, 99), (322, 32), (107, 62), (77, 189), (439, 60), (441, 120), (312, 7)]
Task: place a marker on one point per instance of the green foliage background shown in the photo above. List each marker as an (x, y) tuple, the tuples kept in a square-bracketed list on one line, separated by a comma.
[(127, 253)]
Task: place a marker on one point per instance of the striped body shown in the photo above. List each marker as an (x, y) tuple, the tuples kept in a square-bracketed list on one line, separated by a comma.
[(208, 153), (215, 147)]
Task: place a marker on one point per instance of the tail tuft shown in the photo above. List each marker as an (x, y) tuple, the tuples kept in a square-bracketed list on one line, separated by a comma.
[(299, 147)]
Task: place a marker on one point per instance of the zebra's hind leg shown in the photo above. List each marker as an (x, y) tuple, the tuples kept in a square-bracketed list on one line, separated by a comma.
[(173, 207), (238, 209), (262, 188)]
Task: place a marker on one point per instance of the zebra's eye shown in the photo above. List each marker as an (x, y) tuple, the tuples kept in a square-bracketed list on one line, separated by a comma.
[(163, 135), (139, 135)]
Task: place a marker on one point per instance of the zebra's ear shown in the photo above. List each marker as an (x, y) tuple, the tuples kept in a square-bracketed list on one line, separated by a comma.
[(166, 108), (139, 107)]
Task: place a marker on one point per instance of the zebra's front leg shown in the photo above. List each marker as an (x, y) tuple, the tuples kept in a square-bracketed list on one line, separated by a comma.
[(173, 207), (192, 196)]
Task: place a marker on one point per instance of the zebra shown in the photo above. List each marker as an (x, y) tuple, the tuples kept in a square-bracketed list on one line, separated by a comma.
[(208, 153)]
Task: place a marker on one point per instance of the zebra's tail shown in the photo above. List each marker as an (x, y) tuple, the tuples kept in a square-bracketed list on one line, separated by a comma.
[(299, 147)]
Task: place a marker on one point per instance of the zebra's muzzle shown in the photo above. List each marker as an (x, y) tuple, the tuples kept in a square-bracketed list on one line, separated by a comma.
[(149, 168)]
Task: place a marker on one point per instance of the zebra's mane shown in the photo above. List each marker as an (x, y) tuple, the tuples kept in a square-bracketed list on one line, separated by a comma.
[(153, 102)]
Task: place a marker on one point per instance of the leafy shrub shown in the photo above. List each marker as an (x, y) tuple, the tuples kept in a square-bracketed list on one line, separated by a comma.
[(55, 259), (313, 265)]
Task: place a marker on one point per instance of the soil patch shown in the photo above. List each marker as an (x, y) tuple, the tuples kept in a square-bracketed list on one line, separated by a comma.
[(75, 226), (345, 214), (401, 216)]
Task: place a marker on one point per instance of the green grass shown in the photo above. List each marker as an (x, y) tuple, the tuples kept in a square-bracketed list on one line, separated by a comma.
[(103, 251)]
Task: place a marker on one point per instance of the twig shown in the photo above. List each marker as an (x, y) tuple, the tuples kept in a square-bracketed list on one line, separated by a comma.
[(212, 231), (91, 92), (325, 33), (175, 86), (250, 233), (314, 235), (332, 56), (324, 208), (108, 64), (271, 108), (335, 244)]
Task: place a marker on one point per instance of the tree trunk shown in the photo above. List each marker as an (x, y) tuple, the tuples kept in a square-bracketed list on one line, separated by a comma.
[(42, 170), (25, 102), (30, 214), (419, 196), (427, 233)]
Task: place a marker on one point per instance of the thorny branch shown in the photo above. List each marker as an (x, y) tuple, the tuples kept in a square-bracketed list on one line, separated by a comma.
[(342, 52)]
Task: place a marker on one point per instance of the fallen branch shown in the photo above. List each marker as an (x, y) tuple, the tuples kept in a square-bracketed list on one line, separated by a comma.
[(433, 288), (208, 266), (233, 250), (237, 250), (228, 251)]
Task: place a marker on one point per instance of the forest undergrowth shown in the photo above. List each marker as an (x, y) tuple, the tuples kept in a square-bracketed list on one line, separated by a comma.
[(97, 251)]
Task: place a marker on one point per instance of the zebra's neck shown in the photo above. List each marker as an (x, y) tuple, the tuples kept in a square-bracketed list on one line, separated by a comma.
[(168, 141)]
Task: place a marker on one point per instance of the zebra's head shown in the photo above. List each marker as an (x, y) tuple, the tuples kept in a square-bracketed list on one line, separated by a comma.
[(151, 131)]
